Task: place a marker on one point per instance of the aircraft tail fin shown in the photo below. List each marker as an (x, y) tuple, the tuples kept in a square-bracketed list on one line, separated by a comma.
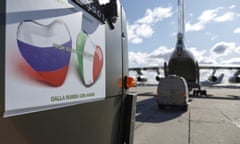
[(181, 21)]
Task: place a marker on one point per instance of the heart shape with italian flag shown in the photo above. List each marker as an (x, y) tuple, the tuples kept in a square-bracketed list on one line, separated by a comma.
[(89, 59)]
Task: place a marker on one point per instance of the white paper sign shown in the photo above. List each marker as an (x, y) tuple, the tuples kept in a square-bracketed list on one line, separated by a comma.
[(55, 56)]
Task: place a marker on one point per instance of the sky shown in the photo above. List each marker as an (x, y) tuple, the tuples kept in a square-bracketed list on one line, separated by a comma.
[(212, 30)]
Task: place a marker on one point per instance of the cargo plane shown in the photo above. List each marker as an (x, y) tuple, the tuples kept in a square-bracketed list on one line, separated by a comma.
[(183, 63)]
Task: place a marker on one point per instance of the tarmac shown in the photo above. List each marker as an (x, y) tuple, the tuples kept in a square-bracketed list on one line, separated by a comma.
[(211, 119)]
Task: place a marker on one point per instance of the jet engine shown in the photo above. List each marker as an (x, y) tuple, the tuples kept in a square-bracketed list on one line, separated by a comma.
[(141, 78), (235, 78), (158, 77), (212, 78)]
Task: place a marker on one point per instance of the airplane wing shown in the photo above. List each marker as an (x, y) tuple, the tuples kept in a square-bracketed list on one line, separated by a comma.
[(212, 77), (203, 66), (216, 67), (234, 79), (139, 70), (145, 68)]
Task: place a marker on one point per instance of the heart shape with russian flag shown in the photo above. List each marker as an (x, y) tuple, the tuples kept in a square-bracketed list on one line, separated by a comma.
[(89, 59), (35, 42)]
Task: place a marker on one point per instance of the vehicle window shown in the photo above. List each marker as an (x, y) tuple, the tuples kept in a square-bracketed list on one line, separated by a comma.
[(172, 83)]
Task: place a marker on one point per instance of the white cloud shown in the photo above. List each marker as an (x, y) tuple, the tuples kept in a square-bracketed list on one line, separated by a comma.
[(223, 48), (155, 58), (198, 54), (208, 60), (136, 40), (237, 49), (232, 6), (162, 52), (143, 27), (214, 38), (203, 19), (232, 61), (194, 27), (138, 31), (228, 16), (237, 31), (137, 58), (208, 16), (155, 15), (144, 30), (202, 56)]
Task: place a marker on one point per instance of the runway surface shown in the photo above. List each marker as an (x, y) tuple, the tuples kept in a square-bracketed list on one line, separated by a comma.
[(211, 119)]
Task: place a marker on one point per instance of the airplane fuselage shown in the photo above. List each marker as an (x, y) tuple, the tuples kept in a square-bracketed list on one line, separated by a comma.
[(183, 63)]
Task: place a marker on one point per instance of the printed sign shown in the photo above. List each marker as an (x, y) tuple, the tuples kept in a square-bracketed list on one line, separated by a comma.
[(55, 56), (92, 7)]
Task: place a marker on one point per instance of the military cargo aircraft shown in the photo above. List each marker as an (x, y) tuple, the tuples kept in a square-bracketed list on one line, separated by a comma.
[(183, 63)]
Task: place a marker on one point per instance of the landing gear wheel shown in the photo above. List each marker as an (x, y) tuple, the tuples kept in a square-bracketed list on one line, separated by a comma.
[(199, 92), (195, 92), (203, 92)]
